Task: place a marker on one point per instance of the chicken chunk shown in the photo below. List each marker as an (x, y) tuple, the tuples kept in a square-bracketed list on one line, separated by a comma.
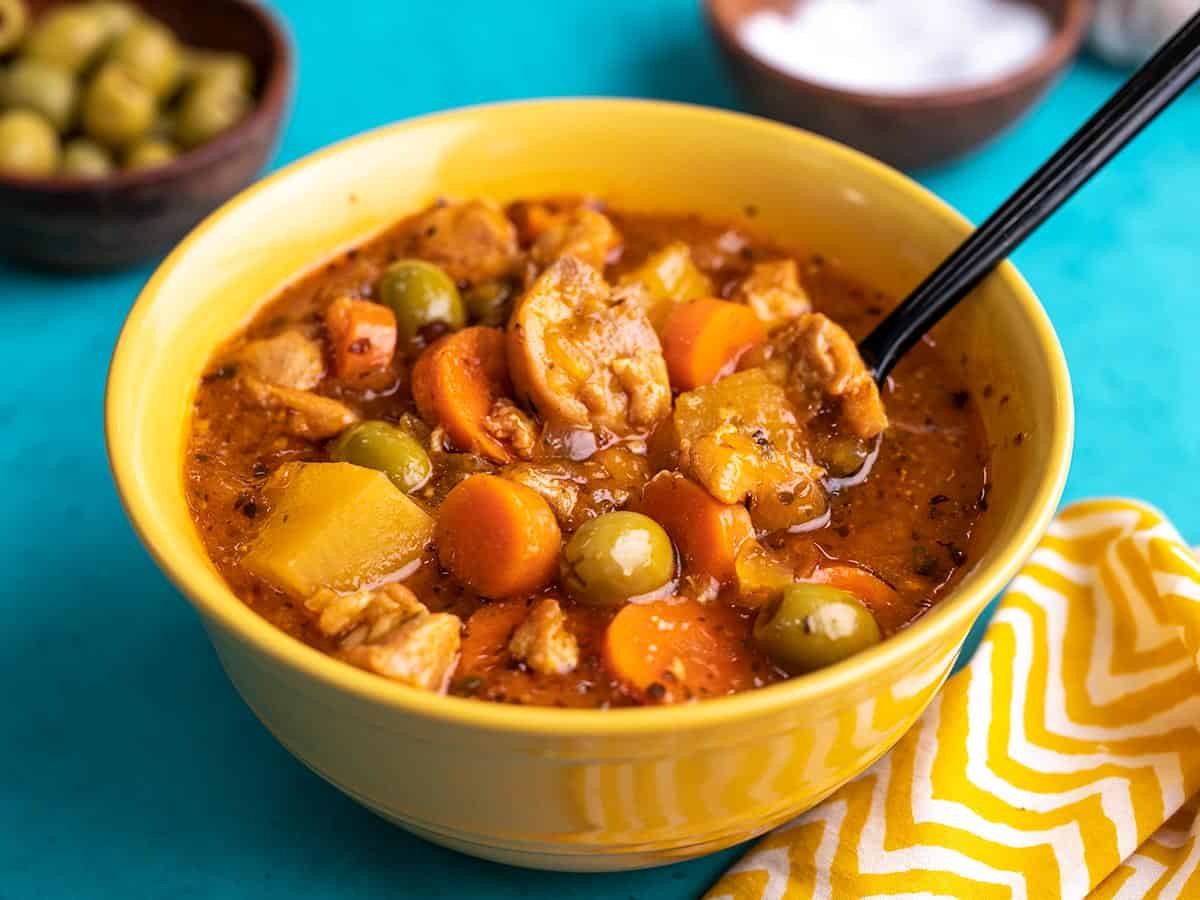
[(773, 291), (741, 440), (579, 491), (388, 631), (823, 363), (422, 652), (584, 356), (288, 360), (510, 426), (305, 414), (363, 615), (543, 642), (584, 233), (472, 241)]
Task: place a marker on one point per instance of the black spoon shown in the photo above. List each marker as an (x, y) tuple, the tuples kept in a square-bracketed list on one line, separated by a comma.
[(1151, 89)]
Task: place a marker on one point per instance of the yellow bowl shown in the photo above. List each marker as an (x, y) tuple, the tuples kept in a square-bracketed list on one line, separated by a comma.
[(603, 789)]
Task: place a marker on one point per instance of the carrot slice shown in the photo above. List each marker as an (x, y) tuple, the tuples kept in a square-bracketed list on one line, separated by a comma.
[(875, 593), (707, 532), (363, 335), (455, 383), (703, 340), (674, 650), (498, 537)]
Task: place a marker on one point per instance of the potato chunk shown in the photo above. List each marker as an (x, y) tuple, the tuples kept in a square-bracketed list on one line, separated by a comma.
[(669, 277), (337, 526), (740, 439)]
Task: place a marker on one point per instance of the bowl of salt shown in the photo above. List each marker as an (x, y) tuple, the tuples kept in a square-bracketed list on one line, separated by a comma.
[(915, 83)]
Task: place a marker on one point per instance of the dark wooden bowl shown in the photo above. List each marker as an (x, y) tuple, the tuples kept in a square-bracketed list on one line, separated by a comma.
[(131, 217), (913, 131)]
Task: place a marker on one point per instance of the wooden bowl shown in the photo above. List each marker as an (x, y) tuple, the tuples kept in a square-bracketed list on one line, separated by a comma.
[(130, 217), (913, 131)]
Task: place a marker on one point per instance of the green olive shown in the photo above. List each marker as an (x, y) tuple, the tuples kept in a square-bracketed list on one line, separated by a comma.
[(116, 17), (69, 37), (616, 557), (488, 303), (85, 159), (207, 110), (14, 20), (43, 87), (810, 626), (420, 294), (149, 51), (232, 69), (28, 144), (117, 108), (150, 153), (383, 446)]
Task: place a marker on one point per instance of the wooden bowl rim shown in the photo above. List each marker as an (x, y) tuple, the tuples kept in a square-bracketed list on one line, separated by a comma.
[(271, 99), (1055, 56)]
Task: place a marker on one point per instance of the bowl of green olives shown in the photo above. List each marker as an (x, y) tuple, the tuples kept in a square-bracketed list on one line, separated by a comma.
[(122, 125)]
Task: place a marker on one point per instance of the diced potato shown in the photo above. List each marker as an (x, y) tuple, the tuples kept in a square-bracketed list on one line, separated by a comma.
[(336, 525), (747, 400), (669, 276)]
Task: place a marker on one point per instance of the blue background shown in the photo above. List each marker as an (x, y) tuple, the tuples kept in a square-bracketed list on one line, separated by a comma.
[(131, 769)]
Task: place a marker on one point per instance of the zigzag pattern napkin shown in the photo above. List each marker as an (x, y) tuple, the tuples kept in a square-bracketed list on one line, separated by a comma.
[(1058, 764)]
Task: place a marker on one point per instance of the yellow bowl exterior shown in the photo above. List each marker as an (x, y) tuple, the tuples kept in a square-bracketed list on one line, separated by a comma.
[(604, 789)]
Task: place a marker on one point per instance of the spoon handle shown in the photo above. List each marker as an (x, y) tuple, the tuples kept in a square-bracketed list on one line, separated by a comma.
[(1151, 89)]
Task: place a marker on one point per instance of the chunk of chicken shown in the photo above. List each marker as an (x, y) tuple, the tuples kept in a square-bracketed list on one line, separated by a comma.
[(823, 363), (509, 425), (288, 360), (579, 491), (388, 631), (543, 641), (364, 615), (583, 233), (305, 414), (741, 440), (773, 291), (472, 241), (422, 652), (584, 356)]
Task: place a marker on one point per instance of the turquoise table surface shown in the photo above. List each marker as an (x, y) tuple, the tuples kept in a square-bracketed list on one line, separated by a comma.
[(131, 769)]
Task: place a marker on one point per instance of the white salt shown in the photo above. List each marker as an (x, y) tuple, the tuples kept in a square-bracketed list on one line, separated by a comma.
[(900, 46)]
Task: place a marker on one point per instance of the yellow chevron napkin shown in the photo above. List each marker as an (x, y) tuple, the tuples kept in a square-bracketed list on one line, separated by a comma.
[(1058, 764)]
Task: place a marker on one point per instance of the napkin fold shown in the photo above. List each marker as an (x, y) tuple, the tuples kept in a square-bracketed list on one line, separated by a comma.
[(1058, 763)]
